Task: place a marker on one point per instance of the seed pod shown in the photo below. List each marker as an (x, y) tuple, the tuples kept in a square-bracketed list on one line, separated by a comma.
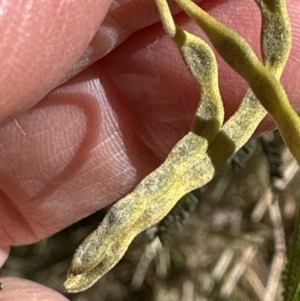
[(198, 155)]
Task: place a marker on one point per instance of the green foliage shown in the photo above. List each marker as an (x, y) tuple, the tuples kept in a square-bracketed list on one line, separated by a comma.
[(291, 274), (177, 217), (272, 151), (243, 155)]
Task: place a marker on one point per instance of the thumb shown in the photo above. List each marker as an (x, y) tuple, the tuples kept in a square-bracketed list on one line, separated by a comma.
[(40, 41)]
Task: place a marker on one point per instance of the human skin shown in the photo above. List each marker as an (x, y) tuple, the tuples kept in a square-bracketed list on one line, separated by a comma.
[(67, 153)]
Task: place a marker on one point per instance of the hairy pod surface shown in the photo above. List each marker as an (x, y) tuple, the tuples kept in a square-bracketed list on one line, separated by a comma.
[(197, 157)]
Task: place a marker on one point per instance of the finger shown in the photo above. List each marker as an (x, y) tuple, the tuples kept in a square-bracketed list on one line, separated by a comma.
[(55, 46), (40, 41), (15, 289), (4, 252), (92, 140)]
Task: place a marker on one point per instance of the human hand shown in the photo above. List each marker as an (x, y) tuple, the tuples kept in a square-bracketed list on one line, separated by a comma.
[(91, 140)]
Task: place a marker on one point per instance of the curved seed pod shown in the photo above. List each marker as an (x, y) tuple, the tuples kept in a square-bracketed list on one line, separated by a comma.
[(185, 169), (159, 185), (202, 63), (276, 34), (239, 55), (276, 30), (166, 185), (151, 200)]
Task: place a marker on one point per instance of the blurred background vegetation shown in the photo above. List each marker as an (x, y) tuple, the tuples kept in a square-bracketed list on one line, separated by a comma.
[(226, 241)]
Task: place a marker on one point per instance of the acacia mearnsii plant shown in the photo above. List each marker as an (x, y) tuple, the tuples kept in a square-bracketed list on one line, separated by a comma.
[(200, 154)]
